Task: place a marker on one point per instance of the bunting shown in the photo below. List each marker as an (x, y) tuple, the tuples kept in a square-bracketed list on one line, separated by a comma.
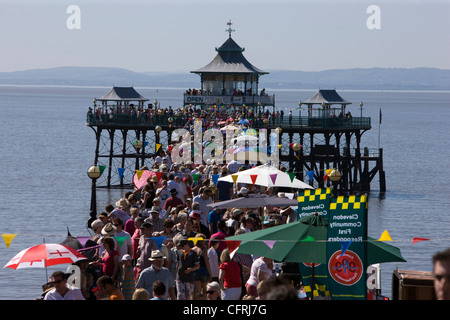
[(8, 238), (120, 171), (253, 177)]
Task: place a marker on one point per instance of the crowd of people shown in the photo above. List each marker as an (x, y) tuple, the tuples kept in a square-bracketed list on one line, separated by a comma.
[(163, 241)]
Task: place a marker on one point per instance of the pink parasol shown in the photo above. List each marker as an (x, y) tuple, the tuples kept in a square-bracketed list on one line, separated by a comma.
[(44, 255), (141, 181)]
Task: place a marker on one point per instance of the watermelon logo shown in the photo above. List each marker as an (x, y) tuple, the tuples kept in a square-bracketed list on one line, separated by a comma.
[(346, 268)]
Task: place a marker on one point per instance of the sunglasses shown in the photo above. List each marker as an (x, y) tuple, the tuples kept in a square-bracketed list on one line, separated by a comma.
[(57, 281)]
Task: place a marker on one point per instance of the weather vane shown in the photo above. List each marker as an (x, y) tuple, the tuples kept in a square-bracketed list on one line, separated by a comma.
[(229, 30)]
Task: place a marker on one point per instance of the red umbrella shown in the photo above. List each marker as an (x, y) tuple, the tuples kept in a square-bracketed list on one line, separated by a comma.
[(44, 255)]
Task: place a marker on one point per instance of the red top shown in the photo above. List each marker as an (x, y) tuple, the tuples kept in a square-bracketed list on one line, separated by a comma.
[(231, 274), (108, 262)]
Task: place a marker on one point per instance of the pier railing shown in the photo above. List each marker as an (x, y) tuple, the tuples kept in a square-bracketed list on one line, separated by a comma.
[(180, 121)]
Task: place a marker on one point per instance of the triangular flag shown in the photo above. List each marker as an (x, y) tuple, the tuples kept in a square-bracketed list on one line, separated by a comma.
[(8, 238), (102, 168), (120, 240), (215, 178), (308, 238), (120, 171), (195, 177), (325, 177), (159, 175), (145, 143), (269, 243), (253, 177), (385, 236), (195, 239), (234, 177), (344, 246), (139, 173), (232, 246), (159, 241), (158, 145), (418, 240), (328, 171), (310, 175), (273, 177), (291, 175)]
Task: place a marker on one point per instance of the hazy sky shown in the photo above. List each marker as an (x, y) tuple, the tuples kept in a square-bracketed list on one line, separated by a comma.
[(181, 35)]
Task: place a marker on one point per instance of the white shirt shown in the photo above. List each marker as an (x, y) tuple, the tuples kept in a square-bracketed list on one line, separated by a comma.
[(72, 294)]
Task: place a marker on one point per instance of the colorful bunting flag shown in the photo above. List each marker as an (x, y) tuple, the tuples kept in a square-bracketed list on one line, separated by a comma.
[(310, 175), (419, 239), (385, 236), (159, 241), (8, 238), (232, 246), (234, 177), (215, 178), (253, 177), (139, 173), (291, 175), (158, 145), (344, 246), (269, 243), (273, 177), (102, 168), (120, 171), (195, 239)]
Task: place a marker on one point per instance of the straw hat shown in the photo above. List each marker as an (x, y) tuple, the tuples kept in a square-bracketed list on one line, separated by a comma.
[(108, 230), (156, 254), (122, 203)]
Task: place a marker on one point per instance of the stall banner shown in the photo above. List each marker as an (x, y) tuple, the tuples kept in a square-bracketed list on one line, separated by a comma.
[(311, 201), (347, 247)]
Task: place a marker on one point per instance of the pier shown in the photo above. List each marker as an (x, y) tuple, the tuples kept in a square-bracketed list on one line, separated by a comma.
[(130, 131)]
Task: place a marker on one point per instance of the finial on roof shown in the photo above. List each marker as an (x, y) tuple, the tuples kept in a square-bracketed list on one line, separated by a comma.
[(229, 30)]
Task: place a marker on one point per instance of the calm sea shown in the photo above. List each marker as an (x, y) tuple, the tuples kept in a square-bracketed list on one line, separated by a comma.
[(47, 149)]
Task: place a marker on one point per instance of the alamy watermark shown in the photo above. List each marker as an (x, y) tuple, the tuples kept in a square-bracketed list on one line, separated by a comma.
[(73, 22), (373, 22)]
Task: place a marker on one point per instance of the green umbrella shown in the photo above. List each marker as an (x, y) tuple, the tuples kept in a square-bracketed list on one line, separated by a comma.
[(305, 241)]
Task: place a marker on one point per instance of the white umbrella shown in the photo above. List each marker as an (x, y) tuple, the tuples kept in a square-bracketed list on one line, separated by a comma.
[(267, 176)]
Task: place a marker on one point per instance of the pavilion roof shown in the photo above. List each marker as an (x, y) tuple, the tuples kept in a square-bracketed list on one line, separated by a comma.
[(122, 94), (327, 97), (229, 59)]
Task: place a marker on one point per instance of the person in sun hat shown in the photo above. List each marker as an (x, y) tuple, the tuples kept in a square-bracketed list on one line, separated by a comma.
[(157, 272), (173, 200), (155, 220)]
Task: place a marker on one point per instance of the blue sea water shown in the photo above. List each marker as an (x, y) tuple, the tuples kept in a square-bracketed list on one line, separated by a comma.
[(47, 149)]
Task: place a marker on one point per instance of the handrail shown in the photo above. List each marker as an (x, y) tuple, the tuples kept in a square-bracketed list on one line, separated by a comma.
[(181, 120)]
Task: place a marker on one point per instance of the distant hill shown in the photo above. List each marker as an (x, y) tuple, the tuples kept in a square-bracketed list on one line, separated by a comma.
[(343, 79)]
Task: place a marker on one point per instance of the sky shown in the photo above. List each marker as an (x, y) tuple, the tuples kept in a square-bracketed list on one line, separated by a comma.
[(181, 35)]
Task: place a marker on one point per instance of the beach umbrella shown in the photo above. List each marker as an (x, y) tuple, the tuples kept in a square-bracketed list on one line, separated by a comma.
[(267, 176), (140, 179), (44, 255), (254, 201), (244, 122), (305, 241), (230, 126)]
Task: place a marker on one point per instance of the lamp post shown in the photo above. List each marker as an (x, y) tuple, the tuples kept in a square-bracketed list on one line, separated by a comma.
[(158, 129), (361, 106), (300, 113), (93, 173), (137, 146)]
